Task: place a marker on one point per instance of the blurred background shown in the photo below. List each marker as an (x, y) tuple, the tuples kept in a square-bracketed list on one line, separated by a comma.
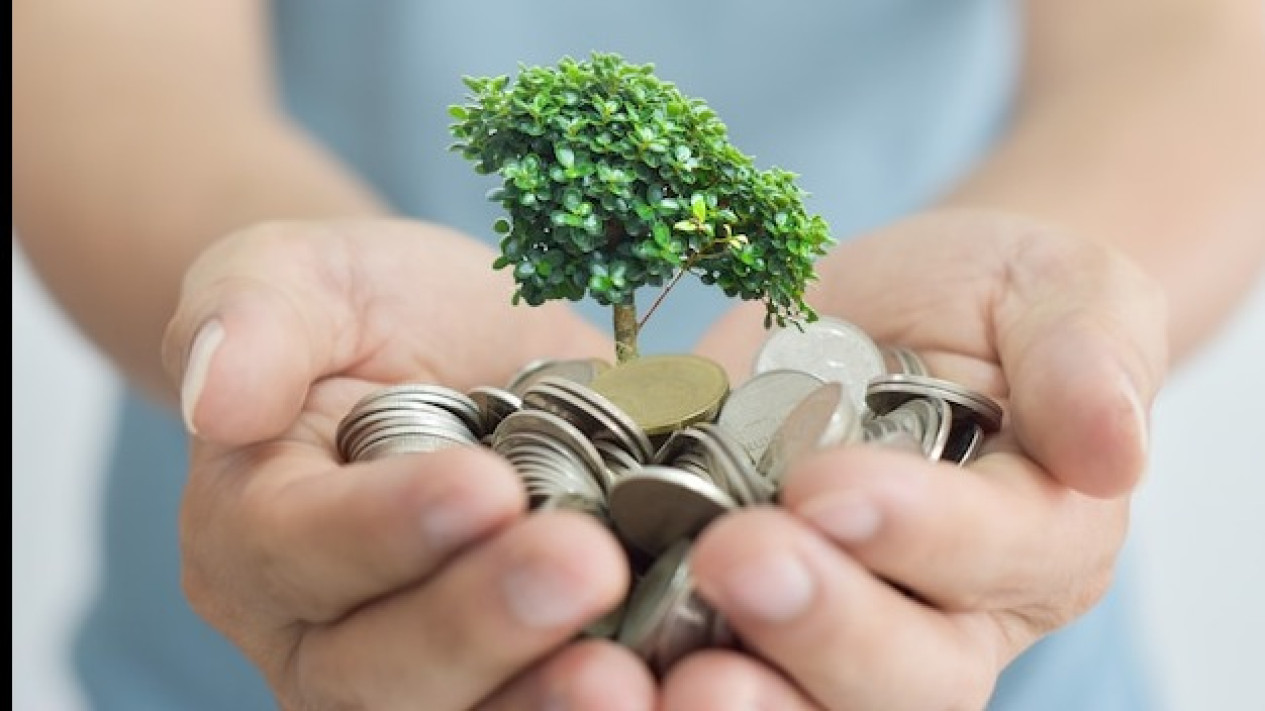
[(1198, 535)]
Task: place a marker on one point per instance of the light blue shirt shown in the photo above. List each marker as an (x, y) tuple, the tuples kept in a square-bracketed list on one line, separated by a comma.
[(878, 105)]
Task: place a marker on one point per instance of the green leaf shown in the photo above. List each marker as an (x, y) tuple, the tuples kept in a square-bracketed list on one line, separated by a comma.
[(661, 234), (565, 156), (698, 206), (637, 178)]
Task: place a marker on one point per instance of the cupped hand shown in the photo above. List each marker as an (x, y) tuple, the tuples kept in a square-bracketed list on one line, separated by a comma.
[(884, 581), (409, 582)]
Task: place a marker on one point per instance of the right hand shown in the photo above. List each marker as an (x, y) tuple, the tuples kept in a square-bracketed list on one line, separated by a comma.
[(413, 581)]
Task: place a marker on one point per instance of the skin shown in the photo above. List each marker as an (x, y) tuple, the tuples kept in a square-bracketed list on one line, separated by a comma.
[(995, 556), (1111, 230)]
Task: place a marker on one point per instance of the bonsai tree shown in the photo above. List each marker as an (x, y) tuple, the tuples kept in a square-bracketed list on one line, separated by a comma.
[(612, 180)]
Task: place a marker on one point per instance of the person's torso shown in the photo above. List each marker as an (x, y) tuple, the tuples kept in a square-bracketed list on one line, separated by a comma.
[(877, 105)]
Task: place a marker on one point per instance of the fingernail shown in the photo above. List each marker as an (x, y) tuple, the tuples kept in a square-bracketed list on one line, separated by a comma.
[(846, 517), (204, 346), (1140, 413), (448, 523), (774, 588), (588, 685), (542, 596)]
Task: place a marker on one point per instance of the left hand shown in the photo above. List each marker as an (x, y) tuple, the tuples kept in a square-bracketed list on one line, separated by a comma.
[(396, 581), (1071, 338)]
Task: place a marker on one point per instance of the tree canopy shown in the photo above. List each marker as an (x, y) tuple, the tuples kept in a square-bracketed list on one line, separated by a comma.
[(612, 179)]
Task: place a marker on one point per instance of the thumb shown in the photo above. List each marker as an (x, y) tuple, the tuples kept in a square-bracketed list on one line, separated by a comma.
[(1084, 364), (244, 358)]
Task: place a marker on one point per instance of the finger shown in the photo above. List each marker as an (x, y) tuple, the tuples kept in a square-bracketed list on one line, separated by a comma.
[(1078, 330), (999, 535), (277, 307), (848, 640), (1084, 363), (258, 321), (717, 680), (490, 613), (310, 547), (593, 674)]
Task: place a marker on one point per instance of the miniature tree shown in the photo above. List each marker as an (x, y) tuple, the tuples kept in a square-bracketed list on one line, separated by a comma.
[(614, 180)]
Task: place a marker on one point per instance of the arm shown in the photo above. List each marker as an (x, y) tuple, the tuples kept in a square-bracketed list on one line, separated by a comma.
[(1140, 124), (1133, 175), (160, 191), (146, 131), (143, 131), (1138, 130)]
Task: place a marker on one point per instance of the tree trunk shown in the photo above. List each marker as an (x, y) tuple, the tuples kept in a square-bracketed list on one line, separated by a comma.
[(625, 321)]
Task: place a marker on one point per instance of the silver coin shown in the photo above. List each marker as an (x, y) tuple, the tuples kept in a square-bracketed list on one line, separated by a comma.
[(405, 394), (695, 461), (593, 414), (904, 361), (689, 626), (547, 427), (754, 410), (721, 634), (964, 444), (708, 451), (653, 508), (928, 420), (616, 425), (433, 424), (887, 392), (358, 423), (546, 475), (825, 418), (890, 434), (431, 419), (682, 450), (358, 431), (575, 450), (406, 444), (548, 450), (618, 461), (607, 626), (579, 370), (548, 471), (830, 348), (664, 619), (573, 501), (494, 405), (732, 467)]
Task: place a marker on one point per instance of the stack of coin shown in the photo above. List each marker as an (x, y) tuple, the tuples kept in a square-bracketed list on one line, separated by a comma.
[(658, 448), (412, 417)]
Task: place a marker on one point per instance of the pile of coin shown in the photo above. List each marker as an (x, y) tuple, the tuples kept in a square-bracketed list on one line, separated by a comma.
[(659, 447)]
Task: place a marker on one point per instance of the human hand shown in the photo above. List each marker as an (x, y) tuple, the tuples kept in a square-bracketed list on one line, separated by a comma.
[(391, 583), (990, 558)]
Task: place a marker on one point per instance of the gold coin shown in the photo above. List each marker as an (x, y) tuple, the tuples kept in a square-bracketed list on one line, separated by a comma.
[(663, 393)]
